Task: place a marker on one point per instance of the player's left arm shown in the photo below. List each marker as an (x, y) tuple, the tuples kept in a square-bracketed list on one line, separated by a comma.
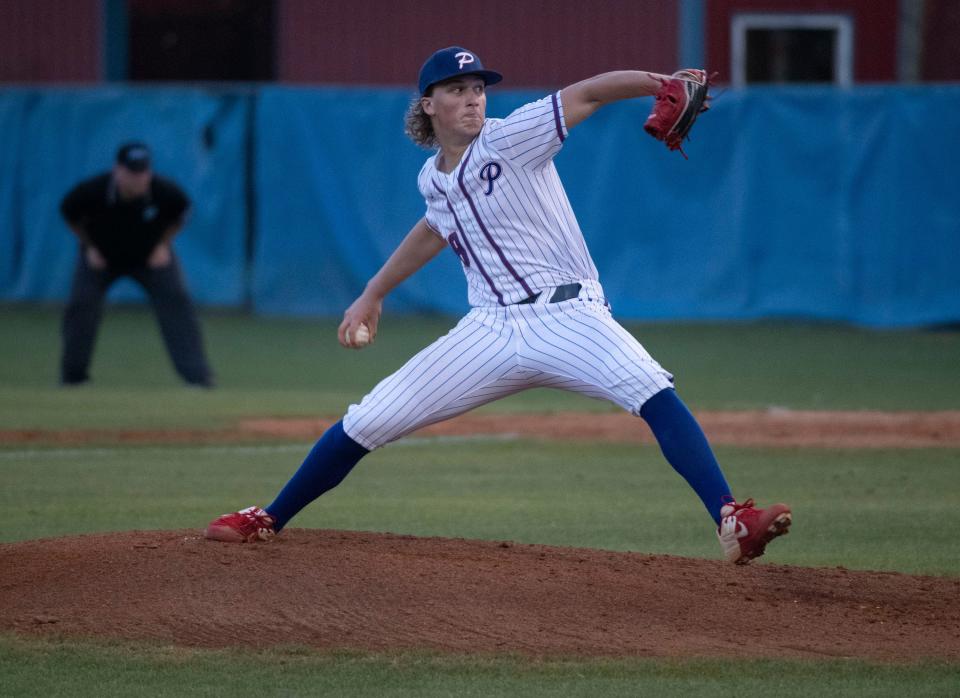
[(419, 246), (179, 207), (582, 99), (162, 254)]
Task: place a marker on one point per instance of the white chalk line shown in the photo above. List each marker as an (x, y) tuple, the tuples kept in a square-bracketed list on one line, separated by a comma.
[(266, 449)]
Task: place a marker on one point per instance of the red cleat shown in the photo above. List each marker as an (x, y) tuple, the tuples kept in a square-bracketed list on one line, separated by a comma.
[(247, 526), (745, 530)]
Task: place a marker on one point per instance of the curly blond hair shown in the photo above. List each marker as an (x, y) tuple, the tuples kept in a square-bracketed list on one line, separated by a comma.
[(417, 125)]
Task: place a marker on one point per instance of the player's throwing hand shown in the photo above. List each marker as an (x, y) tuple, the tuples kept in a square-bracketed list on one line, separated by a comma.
[(359, 326)]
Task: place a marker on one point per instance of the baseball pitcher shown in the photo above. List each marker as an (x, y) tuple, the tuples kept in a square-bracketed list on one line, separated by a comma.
[(539, 316)]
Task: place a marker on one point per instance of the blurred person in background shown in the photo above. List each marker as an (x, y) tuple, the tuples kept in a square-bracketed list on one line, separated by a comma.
[(125, 221)]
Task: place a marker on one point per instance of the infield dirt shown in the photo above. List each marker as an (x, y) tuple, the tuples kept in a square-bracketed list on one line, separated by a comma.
[(368, 591), (774, 427), (383, 592)]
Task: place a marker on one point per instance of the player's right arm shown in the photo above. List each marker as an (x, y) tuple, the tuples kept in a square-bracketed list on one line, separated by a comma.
[(419, 246), (533, 134), (74, 208), (582, 99)]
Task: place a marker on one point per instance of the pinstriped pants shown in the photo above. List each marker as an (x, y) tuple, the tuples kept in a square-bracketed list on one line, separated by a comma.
[(494, 352)]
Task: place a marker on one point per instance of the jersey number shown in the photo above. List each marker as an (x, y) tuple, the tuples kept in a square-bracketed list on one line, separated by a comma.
[(457, 247)]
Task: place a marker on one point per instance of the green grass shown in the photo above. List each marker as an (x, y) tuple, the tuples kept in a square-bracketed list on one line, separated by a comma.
[(34, 668), (895, 510), (295, 368), (871, 509)]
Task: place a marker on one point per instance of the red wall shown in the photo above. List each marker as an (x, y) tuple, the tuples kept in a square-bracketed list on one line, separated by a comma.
[(874, 31), (50, 41), (532, 42)]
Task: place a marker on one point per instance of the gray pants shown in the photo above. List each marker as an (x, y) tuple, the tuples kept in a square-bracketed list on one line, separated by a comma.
[(171, 305)]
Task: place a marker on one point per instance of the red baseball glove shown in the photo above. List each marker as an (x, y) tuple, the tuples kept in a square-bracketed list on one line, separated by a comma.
[(680, 100)]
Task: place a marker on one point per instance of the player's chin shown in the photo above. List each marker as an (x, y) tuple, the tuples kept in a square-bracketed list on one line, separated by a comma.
[(472, 124)]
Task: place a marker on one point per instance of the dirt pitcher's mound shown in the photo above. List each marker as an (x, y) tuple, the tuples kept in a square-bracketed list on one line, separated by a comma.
[(368, 591)]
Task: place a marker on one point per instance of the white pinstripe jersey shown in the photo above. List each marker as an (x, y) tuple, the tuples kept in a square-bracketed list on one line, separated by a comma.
[(504, 211)]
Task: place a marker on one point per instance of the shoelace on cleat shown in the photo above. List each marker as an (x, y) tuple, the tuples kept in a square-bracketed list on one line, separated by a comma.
[(252, 519)]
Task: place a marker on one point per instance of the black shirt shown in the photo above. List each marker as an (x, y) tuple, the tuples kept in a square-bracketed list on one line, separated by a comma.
[(124, 231)]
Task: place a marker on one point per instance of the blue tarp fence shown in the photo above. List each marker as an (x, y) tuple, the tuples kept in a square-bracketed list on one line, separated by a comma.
[(804, 202)]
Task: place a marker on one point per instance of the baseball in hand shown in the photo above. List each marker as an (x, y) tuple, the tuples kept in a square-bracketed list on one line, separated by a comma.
[(362, 336)]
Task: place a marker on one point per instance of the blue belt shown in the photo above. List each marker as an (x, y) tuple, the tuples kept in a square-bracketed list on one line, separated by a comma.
[(562, 293)]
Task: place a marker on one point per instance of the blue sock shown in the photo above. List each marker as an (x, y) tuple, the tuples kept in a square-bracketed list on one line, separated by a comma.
[(329, 461), (686, 448)]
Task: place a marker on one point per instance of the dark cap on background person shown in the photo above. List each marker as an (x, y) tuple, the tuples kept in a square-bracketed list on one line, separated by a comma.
[(452, 62), (134, 156)]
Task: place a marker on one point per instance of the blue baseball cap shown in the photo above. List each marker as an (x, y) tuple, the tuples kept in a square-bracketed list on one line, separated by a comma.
[(453, 61)]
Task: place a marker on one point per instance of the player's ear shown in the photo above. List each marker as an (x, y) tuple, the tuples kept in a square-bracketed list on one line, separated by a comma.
[(426, 103)]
